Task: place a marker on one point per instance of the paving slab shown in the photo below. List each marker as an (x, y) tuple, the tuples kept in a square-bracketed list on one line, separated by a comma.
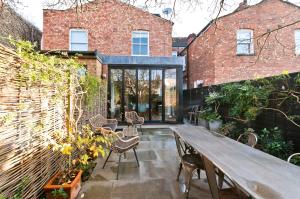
[(154, 179)]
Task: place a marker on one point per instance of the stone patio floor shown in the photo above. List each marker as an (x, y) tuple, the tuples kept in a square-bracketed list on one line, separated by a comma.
[(154, 179)]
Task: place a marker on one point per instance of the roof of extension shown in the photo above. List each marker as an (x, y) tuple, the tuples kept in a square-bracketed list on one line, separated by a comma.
[(117, 1), (235, 11)]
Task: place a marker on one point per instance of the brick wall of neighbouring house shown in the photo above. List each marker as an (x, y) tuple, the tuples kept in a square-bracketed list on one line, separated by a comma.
[(109, 24), (99, 105), (215, 60)]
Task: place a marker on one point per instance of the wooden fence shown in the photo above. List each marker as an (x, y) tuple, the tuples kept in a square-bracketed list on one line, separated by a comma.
[(27, 116), (268, 119)]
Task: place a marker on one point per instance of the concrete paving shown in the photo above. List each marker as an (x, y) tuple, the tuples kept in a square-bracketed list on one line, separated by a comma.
[(154, 179)]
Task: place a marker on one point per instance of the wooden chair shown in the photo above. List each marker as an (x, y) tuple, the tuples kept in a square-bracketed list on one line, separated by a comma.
[(133, 119), (121, 146), (193, 113), (293, 156), (216, 191), (188, 162), (98, 121), (251, 139)]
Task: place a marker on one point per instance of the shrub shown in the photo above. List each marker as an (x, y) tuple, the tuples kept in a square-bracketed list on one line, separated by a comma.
[(272, 142)]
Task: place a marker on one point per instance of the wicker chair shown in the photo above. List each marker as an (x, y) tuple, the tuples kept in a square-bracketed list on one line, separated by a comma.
[(98, 121), (121, 146), (251, 139), (292, 156), (133, 119), (188, 162)]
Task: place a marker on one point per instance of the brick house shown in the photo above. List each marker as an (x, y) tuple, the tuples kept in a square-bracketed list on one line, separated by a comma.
[(180, 43), (129, 48), (239, 47)]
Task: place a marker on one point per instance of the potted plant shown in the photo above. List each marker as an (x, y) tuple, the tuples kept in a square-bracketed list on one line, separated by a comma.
[(214, 120), (202, 119), (213, 100), (79, 149)]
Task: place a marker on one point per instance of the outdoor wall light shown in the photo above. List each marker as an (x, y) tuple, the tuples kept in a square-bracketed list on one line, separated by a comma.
[(103, 76)]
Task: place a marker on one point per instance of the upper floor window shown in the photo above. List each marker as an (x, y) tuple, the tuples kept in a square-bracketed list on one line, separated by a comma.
[(140, 43), (244, 42), (174, 53), (297, 42), (78, 40)]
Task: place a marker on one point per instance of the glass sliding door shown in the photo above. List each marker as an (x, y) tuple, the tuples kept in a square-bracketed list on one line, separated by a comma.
[(170, 95), (156, 99), (151, 92), (116, 83), (143, 93), (130, 99)]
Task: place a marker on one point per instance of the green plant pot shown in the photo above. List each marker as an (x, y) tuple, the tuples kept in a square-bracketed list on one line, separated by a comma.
[(214, 125)]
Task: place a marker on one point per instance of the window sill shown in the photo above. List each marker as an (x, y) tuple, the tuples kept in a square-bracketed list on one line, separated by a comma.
[(252, 54), (140, 55)]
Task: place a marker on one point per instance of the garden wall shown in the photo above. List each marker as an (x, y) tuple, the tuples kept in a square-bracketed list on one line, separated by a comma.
[(267, 119)]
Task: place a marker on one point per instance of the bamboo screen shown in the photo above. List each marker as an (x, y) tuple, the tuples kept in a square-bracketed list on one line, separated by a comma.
[(27, 117)]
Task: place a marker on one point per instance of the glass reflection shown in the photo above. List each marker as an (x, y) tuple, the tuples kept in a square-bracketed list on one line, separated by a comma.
[(156, 95), (170, 95), (116, 94), (130, 90), (143, 93)]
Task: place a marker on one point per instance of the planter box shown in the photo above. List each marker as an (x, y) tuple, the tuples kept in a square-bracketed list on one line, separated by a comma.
[(71, 190), (215, 125), (203, 122)]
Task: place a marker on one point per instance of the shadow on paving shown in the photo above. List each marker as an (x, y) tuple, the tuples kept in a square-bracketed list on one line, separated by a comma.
[(154, 179)]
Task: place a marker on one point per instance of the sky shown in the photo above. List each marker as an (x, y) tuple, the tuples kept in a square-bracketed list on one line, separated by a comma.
[(188, 18)]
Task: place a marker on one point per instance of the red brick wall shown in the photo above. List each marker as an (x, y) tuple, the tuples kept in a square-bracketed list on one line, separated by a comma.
[(212, 56), (109, 24), (99, 106)]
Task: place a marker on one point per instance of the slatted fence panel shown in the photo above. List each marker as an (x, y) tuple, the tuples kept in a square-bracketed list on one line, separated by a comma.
[(27, 116)]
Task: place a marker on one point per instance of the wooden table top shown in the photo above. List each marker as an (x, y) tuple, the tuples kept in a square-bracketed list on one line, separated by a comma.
[(257, 173)]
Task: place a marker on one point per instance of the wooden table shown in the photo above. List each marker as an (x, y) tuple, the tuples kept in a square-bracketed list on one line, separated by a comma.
[(255, 172)]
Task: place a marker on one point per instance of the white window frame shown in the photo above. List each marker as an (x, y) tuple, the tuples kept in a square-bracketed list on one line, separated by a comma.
[(297, 49), (251, 43), (78, 30), (137, 32)]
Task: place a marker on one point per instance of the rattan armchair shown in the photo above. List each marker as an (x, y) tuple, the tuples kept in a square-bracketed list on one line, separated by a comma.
[(98, 121), (121, 146), (133, 119)]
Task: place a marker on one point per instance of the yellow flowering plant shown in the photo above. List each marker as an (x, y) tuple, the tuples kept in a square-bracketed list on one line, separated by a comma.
[(80, 149)]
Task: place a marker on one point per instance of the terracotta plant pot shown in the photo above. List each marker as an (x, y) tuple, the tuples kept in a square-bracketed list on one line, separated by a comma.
[(71, 190)]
